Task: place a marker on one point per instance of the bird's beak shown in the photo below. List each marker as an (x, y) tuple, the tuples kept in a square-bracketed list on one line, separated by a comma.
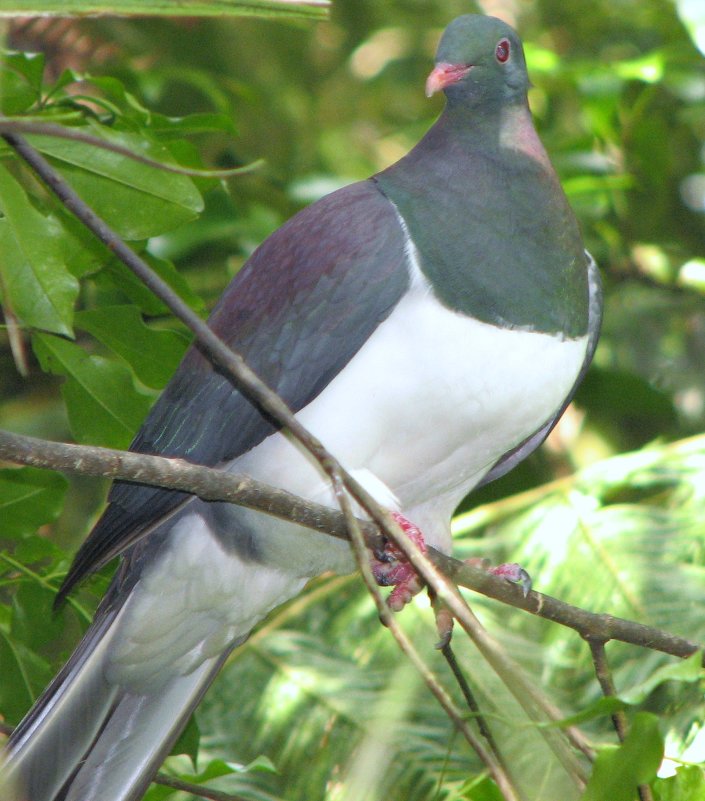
[(443, 75)]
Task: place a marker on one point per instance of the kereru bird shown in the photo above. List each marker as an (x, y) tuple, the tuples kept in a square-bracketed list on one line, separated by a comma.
[(429, 325)]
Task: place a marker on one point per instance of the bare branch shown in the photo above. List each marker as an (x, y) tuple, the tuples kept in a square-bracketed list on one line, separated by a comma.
[(195, 789), (11, 125), (619, 719), (206, 482), (217, 485), (474, 707), (604, 677)]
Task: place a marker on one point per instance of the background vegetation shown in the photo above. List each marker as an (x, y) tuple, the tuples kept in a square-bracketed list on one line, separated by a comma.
[(608, 516)]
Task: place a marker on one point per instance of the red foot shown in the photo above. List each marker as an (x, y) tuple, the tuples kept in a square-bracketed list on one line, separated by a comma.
[(510, 571), (390, 568)]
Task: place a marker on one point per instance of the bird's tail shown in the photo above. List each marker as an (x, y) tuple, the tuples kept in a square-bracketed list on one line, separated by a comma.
[(88, 740)]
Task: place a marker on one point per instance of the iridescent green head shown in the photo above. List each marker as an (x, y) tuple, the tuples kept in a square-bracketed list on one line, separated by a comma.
[(479, 59)]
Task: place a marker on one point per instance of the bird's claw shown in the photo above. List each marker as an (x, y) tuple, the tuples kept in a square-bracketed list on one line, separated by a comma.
[(391, 568), (515, 573), (510, 571)]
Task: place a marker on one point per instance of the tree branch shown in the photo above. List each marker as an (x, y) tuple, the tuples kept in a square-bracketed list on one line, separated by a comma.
[(217, 485), (169, 473), (32, 127), (195, 789), (619, 719)]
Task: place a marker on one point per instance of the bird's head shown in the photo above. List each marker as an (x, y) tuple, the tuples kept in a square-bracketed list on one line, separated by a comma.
[(479, 59)]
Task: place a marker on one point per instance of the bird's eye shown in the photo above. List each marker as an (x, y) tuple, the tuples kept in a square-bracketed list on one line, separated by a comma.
[(501, 52)]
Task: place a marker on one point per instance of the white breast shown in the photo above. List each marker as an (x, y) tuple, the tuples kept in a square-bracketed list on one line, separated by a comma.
[(427, 406)]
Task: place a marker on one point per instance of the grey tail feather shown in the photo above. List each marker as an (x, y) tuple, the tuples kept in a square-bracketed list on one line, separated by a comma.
[(88, 740)]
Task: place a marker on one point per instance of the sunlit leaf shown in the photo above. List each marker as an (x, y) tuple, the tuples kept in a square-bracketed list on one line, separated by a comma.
[(35, 280), (153, 355), (103, 406), (620, 769)]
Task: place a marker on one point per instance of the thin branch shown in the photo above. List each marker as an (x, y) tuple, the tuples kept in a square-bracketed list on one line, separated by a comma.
[(15, 126), (205, 482), (535, 704), (619, 719), (474, 707), (604, 677), (195, 789)]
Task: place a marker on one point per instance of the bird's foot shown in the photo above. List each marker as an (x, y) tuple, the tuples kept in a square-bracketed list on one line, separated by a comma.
[(392, 569), (510, 571)]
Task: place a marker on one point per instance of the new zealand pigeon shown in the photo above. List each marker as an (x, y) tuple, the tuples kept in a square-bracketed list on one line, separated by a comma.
[(429, 325)]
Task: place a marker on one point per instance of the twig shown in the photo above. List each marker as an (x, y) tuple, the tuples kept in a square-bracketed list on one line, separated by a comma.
[(15, 126), (537, 707), (604, 677), (170, 473), (619, 719), (195, 789), (588, 624), (473, 706)]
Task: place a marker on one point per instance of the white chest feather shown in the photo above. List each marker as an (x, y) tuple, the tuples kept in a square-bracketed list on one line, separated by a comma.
[(427, 406)]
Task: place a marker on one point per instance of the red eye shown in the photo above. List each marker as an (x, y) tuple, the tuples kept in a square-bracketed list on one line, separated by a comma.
[(501, 52)]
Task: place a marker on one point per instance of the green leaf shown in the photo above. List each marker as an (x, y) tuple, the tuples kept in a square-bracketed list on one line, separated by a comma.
[(600, 708), (687, 670), (219, 767), (620, 769), (33, 620), (29, 498), (188, 8), (137, 200), (117, 275), (204, 122), (688, 784), (189, 742), (35, 280), (103, 406), (24, 675), (20, 81), (153, 355), (482, 789)]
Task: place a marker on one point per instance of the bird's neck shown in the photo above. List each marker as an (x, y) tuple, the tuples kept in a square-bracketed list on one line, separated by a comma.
[(491, 227), (500, 126)]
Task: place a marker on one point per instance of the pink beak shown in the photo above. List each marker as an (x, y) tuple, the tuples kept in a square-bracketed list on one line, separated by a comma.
[(445, 74)]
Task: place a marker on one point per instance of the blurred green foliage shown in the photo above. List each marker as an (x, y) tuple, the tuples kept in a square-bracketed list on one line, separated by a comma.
[(321, 691)]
